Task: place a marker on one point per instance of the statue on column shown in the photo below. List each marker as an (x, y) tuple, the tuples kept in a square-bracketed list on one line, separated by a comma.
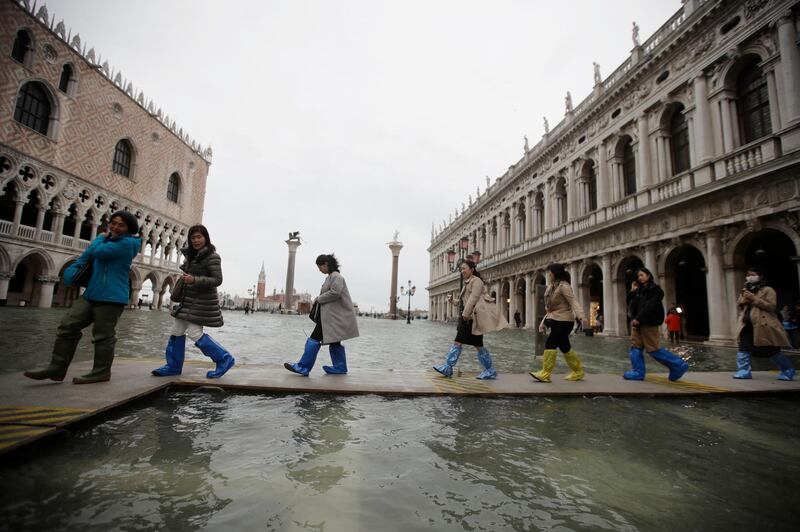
[(568, 102), (597, 78), (635, 35), (488, 183), (396, 235), (477, 192), (527, 148), (546, 125)]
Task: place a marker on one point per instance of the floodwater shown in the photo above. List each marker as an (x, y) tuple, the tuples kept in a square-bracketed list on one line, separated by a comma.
[(189, 461)]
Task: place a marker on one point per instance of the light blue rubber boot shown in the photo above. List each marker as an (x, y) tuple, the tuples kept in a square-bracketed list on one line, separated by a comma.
[(637, 362), (218, 354), (446, 369), (677, 366), (787, 370), (486, 361), (339, 360), (174, 353), (743, 366), (303, 367)]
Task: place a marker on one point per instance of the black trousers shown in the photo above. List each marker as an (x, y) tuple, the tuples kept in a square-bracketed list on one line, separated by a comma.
[(559, 335)]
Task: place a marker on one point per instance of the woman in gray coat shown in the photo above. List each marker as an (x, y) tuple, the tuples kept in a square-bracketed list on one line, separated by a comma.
[(335, 317), (198, 307)]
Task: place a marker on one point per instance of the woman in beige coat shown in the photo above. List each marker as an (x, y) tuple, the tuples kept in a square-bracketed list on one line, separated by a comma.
[(478, 316), (760, 332), (562, 310)]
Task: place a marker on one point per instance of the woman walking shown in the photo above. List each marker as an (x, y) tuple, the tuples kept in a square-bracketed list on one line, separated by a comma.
[(335, 321), (647, 315), (562, 309), (760, 332), (198, 308), (102, 303), (478, 316)]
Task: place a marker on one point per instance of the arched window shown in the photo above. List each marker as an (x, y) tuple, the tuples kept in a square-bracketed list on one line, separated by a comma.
[(22, 47), (679, 141), (174, 187), (33, 107), (123, 156), (67, 76), (753, 103), (628, 169)]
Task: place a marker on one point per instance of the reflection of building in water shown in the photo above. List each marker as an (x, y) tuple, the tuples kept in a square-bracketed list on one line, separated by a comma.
[(684, 159), (77, 143)]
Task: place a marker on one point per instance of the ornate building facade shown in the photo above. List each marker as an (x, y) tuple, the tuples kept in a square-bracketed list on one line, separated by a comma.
[(686, 159), (77, 142)]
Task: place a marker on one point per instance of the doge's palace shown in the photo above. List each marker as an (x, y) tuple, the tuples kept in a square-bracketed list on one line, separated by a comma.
[(77, 142), (686, 159)]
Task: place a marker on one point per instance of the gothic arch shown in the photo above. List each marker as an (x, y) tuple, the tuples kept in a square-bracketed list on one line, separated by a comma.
[(5, 260), (54, 121), (48, 268)]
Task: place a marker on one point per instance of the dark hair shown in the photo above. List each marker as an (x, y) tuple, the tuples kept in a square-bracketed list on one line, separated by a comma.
[(645, 270), (129, 219), (199, 228), (330, 260), (473, 267), (559, 272), (756, 269)]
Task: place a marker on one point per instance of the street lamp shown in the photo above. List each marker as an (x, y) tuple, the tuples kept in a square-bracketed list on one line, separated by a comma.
[(252, 292), (411, 291)]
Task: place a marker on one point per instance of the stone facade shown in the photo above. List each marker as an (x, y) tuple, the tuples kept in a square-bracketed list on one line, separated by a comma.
[(685, 159), (59, 182)]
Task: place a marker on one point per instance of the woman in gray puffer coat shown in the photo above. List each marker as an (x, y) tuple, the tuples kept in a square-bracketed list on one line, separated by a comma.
[(198, 307)]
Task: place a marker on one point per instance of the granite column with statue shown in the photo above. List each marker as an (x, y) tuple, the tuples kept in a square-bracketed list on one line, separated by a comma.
[(395, 246), (293, 243)]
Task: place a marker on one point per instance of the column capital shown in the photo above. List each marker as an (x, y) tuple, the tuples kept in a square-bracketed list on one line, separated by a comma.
[(787, 17), (48, 279), (4, 276)]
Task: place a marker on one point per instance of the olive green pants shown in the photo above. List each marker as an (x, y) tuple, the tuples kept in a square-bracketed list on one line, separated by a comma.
[(103, 317)]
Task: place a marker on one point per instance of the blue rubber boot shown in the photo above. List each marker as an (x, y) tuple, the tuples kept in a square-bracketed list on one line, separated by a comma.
[(218, 354), (486, 361), (446, 369), (637, 362), (743, 366), (785, 366), (339, 360), (175, 353), (303, 367), (677, 366)]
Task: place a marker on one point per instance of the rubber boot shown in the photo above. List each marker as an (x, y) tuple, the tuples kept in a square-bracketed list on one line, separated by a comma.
[(575, 365), (637, 363), (548, 365), (218, 354), (339, 360), (174, 353), (303, 367), (677, 366), (63, 351), (103, 358), (785, 366), (486, 361), (446, 369), (743, 366)]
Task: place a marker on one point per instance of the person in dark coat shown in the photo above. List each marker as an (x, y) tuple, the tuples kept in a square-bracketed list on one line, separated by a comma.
[(335, 318), (646, 311), (100, 305), (198, 308)]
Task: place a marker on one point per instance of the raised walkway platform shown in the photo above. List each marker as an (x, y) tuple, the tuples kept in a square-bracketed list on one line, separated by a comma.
[(31, 410)]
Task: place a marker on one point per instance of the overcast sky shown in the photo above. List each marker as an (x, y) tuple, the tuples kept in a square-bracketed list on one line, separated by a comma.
[(347, 120)]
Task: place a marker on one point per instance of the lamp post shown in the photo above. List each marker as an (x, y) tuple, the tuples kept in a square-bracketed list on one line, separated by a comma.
[(411, 291), (252, 292)]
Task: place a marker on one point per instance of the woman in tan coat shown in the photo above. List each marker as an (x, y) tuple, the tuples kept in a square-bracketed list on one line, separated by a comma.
[(478, 316), (760, 332), (562, 310)]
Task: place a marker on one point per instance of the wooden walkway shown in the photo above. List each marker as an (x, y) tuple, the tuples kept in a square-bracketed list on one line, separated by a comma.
[(31, 410)]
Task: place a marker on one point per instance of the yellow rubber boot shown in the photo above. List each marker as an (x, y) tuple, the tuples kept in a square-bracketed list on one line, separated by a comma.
[(548, 365), (575, 365)]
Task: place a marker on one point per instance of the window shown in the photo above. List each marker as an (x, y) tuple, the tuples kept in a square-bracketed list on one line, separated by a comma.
[(754, 118), (629, 169), (33, 107), (122, 158), (174, 187), (679, 144), (66, 78), (22, 45), (592, 186)]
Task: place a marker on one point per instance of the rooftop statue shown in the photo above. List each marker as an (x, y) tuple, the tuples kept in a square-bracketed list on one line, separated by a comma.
[(635, 35), (568, 102), (597, 78)]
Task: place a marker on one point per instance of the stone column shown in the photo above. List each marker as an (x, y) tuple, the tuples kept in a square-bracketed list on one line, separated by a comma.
[(499, 296), (39, 222), (547, 206), (46, 291), (774, 100), (571, 192), (512, 300), (602, 177), (572, 267), (514, 221), (610, 318), (17, 217), (644, 177), (135, 293), (4, 279), (617, 190), (93, 233), (529, 318), (76, 234), (528, 217), (650, 261), (716, 293), (58, 227), (727, 124), (293, 244), (395, 248), (790, 67), (702, 121)]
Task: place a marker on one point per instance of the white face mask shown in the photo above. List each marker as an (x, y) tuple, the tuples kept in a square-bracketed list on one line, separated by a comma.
[(752, 279)]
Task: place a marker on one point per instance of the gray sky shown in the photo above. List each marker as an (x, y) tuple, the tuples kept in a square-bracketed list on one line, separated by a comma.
[(347, 120)]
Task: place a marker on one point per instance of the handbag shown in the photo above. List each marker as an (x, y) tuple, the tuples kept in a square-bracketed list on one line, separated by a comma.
[(314, 314), (177, 291), (84, 274)]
